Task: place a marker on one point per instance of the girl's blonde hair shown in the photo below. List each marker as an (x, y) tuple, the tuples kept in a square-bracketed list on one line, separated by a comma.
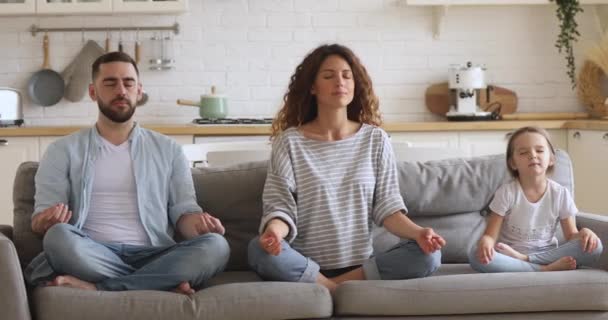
[(300, 105), (510, 147)]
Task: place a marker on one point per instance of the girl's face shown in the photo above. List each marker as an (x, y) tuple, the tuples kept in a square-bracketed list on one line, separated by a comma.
[(531, 155), (334, 84)]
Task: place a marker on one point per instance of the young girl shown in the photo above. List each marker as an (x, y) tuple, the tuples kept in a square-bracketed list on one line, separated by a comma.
[(331, 174), (525, 213)]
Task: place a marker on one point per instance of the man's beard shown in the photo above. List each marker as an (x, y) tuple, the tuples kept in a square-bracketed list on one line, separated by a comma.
[(116, 116)]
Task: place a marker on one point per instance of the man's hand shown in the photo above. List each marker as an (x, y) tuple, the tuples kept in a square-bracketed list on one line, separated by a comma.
[(49, 217), (429, 241), (192, 225)]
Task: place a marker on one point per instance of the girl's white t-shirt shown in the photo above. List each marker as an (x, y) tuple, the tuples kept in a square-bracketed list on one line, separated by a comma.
[(530, 227)]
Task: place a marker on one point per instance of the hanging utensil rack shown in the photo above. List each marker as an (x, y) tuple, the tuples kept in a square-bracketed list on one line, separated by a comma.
[(35, 29)]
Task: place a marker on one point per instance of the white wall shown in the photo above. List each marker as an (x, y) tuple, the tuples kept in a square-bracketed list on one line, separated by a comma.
[(251, 59)]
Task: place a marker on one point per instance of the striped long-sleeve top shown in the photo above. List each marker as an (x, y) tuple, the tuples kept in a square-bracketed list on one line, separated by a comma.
[(330, 192)]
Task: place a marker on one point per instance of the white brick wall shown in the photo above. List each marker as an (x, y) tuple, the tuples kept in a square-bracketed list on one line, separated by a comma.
[(250, 59)]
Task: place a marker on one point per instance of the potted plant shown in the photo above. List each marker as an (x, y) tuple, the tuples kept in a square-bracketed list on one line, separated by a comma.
[(566, 13)]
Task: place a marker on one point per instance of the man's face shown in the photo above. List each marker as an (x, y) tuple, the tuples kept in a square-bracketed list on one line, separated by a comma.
[(116, 90)]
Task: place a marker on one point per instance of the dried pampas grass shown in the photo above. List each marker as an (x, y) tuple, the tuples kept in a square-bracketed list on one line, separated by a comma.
[(590, 79)]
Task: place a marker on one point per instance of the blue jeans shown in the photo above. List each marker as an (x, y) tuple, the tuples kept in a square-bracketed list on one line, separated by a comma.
[(117, 267), (403, 261), (504, 263)]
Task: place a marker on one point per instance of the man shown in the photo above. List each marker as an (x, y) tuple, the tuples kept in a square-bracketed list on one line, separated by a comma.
[(108, 199)]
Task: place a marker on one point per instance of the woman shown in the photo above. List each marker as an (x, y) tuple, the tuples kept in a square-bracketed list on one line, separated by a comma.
[(331, 174)]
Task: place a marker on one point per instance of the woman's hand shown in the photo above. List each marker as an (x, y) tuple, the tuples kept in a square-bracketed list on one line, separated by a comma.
[(270, 241), (49, 217), (589, 239), (429, 241), (485, 249)]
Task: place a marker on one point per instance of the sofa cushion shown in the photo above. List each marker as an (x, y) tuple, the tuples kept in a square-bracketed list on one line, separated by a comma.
[(234, 195), (253, 300), (452, 186), (476, 293), (27, 243)]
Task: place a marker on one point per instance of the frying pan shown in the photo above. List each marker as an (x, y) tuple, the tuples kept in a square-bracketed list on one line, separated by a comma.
[(46, 87)]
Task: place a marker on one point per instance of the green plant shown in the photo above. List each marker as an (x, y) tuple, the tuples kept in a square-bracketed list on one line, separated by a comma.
[(566, 13)]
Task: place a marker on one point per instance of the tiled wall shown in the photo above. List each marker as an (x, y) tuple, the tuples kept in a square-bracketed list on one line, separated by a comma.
[(250, 59)]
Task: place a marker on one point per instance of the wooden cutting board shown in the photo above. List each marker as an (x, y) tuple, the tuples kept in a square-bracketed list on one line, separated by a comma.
[(438, 99)]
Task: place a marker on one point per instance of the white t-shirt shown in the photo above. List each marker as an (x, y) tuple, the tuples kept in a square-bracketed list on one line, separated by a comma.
[(530, 227), (113, 214)]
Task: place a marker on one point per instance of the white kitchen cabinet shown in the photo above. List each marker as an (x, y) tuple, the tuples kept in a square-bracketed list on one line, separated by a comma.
[(589, 152), (73, 6), (183, 139), (13, 151), (17, 7), (427, 139), (150, 6), (482, 143)]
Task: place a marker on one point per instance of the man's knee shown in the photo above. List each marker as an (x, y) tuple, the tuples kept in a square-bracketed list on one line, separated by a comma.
[(213, 247), (58, 238)]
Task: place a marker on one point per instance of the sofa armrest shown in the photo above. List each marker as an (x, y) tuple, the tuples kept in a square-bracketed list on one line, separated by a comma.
[(13, 295), (598, 224), (7, 230)]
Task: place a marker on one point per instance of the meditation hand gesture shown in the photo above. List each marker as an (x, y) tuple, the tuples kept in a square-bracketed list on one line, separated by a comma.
[(270, 241), (43, 221), (485, 249), (589, 239), (429, 241), (192, 225)]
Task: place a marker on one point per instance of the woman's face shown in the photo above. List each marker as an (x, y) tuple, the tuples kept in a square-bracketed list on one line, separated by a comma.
[(334, 84)]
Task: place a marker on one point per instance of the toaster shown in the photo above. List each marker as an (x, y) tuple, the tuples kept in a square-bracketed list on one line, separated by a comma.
[(11, 113)]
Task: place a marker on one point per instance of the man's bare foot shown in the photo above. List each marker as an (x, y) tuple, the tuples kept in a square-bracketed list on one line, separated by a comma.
[(561, 264), (71, 282), (508, 251), (184, 288)]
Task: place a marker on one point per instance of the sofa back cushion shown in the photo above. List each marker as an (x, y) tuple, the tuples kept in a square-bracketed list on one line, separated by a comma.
[(447, 195)]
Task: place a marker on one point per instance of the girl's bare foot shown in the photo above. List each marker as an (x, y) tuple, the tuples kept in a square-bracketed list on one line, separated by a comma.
[(71, 282), (561, 264), (184, 288), (508, 251)]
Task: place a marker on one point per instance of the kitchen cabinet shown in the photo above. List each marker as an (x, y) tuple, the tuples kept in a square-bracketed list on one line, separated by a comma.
[(17, 7), (150, 6), (589, 153), (482, 143), (13, 151), (427, 139), (73, 6), (440, 9)]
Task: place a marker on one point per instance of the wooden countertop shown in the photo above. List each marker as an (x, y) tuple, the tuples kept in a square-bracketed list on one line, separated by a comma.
[(226, 130)]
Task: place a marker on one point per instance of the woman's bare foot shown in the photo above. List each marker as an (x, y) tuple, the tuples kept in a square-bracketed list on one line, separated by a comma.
[(561, 264), (184, 288), (71, 282), (328, 283), (508, 251)]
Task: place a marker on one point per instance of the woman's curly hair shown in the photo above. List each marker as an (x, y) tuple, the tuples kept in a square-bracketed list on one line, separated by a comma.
[(301, 106)]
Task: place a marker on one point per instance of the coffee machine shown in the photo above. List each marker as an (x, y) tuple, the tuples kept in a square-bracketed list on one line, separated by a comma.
[(465, 81)]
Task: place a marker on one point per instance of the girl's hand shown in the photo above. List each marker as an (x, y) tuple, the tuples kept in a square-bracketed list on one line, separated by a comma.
[(485, 249), (589, 240), (429, 241), (270, 240)]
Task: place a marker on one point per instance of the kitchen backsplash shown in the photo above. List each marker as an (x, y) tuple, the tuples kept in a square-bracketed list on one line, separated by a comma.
[(249, 49)]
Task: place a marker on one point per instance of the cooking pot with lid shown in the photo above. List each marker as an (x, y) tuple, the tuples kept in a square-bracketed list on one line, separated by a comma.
[(212, 106)]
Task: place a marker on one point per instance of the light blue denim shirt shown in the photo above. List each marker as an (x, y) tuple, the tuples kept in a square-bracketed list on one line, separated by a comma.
[(165, 190)]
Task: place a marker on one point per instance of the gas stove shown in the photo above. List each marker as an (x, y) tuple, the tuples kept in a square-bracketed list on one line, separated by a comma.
[(221, 121)]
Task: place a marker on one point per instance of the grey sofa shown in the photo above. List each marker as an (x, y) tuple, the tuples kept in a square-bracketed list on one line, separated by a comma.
[(448, 195)]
